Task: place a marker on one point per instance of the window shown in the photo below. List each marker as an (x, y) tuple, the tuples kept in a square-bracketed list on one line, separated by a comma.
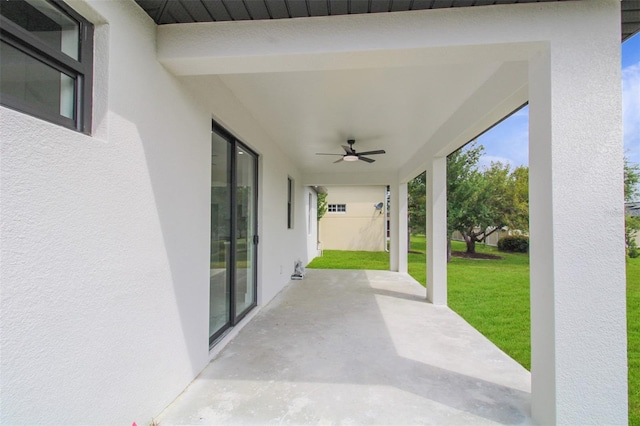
[(46, 57), (337, 208), (290, 187)]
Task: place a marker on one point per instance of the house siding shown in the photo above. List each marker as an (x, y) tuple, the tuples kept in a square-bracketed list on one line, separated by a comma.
[(361, 227)]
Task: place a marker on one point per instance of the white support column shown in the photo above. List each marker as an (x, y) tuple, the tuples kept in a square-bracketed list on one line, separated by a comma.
[(437, 231), (394, 261), (578, 315), (403, 228)]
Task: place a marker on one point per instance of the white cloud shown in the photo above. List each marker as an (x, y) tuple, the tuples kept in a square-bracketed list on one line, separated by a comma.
[(631, 111), (486, 160)]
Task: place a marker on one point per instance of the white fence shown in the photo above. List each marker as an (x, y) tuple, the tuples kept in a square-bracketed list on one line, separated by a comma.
[(491, 240)]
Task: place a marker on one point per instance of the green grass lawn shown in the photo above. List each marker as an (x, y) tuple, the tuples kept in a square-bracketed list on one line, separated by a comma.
[(633, 338), (493, 296)]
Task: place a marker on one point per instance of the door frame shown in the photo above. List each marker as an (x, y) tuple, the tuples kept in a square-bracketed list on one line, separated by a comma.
[(234, 318)]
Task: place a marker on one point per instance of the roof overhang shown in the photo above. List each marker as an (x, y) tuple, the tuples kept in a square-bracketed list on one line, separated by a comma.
[(420, 85), (191, 11)]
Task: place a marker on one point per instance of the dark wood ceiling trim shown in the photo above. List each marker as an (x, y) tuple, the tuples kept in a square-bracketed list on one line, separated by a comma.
[(286, 4), (161, 11), (227, 10), (188, 12), (244, 3), (206, 9), (266, 5)]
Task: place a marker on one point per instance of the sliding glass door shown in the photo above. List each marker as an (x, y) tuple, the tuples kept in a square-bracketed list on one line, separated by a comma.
[(233, 232)]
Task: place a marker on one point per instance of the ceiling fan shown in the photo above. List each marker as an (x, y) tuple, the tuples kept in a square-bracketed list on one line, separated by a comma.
[(351, 154)]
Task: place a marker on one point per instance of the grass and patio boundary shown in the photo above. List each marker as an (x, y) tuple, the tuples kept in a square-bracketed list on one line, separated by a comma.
[(493, 296)]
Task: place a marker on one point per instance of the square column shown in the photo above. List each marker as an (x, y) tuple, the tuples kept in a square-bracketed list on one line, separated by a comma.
[(578, 308), (403, 228), (436, 186), (394, 242)]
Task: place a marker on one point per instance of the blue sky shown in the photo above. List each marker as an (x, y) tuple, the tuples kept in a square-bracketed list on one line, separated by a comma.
[(508, 141)]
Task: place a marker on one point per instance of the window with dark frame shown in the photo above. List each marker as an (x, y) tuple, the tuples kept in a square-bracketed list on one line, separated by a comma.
[(46, 62), (337, 208), (289, 203)]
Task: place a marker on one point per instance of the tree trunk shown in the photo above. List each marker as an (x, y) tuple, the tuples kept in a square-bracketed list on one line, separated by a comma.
[(449, 249), (471, 243)]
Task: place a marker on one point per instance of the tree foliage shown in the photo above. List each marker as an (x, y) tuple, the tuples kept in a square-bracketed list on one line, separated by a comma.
[(480, 203), (417, 204), (631, 228), (322, 204), (631, 180), (631, 223)]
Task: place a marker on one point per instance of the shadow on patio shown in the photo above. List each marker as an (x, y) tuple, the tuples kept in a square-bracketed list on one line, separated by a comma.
[(356, 347)]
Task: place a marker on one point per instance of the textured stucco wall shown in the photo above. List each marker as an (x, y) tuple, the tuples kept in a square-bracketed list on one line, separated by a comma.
[(105, 239), (105, 243), (578, 357), (362, 227), (279, 246)]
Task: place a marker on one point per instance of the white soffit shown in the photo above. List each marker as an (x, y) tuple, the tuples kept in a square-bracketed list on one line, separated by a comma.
[(419, 84)]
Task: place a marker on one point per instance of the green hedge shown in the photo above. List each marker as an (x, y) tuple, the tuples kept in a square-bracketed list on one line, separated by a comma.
[(514, 243)]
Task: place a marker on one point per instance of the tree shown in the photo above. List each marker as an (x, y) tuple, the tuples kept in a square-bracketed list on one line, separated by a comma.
[(510, 194), (322, 204), (417, 203), (480, 203), (631, 180), (468, 206), (631, 223), (520, 218)]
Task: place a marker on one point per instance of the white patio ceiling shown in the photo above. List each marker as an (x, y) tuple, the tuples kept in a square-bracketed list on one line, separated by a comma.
[(398, 109), (418, 87), (411, 89)]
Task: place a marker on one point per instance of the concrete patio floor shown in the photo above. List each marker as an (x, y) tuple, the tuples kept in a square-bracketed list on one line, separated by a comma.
[(356, 347)]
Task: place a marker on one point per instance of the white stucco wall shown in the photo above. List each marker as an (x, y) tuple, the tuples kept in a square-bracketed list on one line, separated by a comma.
[(361, 227), (105, 238), (279, 246)]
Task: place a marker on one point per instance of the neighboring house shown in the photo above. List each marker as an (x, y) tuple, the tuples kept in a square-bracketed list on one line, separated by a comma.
[(355, 218), (153, 165)]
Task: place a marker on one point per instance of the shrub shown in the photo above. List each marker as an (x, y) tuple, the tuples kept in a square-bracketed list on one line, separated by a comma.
[(517, 243)]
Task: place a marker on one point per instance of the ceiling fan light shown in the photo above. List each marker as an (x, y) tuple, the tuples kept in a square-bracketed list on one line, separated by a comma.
[(350, 157)]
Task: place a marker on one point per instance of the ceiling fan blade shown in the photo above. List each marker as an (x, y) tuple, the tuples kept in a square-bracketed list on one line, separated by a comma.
[(379, 151), (348, 149), (368, 160), (324, 153), (337, 161)]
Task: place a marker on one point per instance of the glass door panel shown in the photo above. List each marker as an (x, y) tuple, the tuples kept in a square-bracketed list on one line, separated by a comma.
[(221, 232), (234, 195), (245, 295)]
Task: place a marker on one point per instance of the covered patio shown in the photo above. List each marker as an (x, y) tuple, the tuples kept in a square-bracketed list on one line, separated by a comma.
[(108, 238), (356, 347), (422, 84)]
